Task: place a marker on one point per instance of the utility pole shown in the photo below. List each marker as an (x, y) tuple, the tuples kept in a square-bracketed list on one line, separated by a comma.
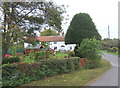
[(108, 32)]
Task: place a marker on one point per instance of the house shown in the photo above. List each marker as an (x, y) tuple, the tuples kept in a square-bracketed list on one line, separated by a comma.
[(55, 42)]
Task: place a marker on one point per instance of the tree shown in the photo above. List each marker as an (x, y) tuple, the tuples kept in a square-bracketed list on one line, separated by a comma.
[(12, 38), (49, 32), (28, 17), (81, 27)]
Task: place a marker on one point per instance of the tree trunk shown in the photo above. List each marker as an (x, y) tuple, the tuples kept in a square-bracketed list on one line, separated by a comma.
[(4, 51)]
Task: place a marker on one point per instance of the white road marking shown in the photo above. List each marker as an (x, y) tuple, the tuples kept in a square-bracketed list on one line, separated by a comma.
[(114, 64)]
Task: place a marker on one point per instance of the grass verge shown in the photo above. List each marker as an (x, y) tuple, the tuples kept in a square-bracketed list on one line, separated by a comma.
[(77, 78), (116, 53)]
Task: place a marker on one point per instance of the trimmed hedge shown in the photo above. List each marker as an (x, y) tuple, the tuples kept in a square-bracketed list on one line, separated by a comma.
[(18, 74), (7, 60)]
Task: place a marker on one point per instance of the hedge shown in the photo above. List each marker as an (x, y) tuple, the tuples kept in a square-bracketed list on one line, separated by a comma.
[(18, 74), (7, 60)]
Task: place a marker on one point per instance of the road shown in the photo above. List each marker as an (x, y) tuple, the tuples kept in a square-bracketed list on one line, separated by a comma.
[(109, 78)]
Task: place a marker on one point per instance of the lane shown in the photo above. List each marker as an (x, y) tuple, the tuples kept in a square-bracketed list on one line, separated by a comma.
[(113, 59), (109, 78)]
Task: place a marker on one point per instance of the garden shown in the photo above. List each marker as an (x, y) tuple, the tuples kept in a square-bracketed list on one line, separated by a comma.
[(22, 69)]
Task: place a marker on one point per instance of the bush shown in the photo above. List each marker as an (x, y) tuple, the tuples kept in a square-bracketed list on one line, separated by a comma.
[(43, 55), (40, 55), (31, 54), (10, 60), (90, 48), (21, 73), (71, 53), (113, 49), (93, 63)]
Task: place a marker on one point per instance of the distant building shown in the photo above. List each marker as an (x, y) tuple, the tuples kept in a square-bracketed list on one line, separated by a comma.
[(55, 42)]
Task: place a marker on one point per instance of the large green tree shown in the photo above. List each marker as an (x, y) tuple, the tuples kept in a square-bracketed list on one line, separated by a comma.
[(81, 27), (28, 17)]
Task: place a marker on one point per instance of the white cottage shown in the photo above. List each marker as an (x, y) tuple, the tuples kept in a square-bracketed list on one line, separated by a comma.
[(56, 42)]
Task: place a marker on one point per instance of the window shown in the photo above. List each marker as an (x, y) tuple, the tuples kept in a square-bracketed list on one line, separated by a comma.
[(55, 48), (55, 42), (62, 46)]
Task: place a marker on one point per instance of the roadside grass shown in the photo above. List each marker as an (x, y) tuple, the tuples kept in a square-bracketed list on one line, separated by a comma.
[(116, 53), (77, 78)]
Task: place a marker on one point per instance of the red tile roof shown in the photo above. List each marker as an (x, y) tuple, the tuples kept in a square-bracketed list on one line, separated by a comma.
[(50, 38)]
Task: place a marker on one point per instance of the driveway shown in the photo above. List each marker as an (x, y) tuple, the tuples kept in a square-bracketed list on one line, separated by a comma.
[(109, 78)]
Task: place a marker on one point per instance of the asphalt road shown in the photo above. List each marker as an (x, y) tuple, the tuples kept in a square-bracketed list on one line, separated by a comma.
[(109, 78)]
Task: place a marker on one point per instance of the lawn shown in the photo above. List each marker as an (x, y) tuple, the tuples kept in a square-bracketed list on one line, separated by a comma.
[(27, 59), (61, 55), (77, 78)]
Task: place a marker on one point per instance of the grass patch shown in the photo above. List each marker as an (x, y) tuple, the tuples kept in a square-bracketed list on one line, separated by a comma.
[(27, 59), (61, 55), (116, 53), (77, 78), (58, 56)]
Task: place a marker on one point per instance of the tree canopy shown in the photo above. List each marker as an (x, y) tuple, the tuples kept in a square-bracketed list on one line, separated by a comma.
[(81, 27), (48, 32), (28, 17)]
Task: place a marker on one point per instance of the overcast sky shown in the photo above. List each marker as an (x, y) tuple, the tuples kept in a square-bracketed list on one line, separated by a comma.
[(103, 13)]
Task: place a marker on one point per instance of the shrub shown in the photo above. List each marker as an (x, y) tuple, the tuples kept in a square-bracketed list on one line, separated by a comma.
[(40, 55), (93, 63), (113, 49), (20, 54), (13, 51), (31, 54), (10, 60), (90, 48), (21, 73), (71, 53)]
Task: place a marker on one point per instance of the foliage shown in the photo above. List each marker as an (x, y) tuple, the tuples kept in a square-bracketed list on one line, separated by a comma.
[(48, 32), (10, 60), (111, 45), (18, 50), (94, 63), (90, 48), (27, 59), (81, 27), (45, 44), (71, 53), (75, 78), (12, 38), (110, 42), (39, 55), (113, 53), (18, 74), (113, 49), (31, 53), (13, 51), (58, 56), (18, 15)]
